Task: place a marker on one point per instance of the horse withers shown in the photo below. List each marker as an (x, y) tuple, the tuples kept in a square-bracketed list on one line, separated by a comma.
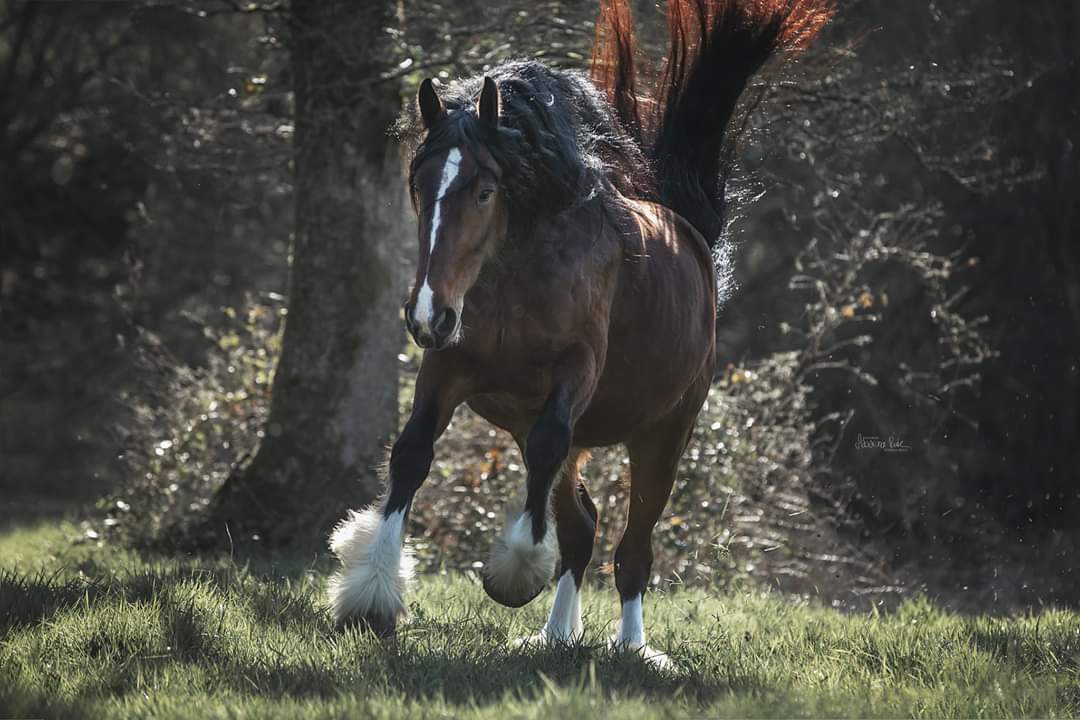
[(566, 290)]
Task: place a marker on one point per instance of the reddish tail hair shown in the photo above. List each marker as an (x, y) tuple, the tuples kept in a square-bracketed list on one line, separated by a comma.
[(716, 47)]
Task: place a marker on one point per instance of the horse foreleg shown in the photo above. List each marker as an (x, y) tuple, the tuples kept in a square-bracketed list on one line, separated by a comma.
[(523, 559), (575, 523), (377, 564)]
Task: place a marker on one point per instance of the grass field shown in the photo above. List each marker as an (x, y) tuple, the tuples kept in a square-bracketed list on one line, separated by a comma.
[(97, 631)]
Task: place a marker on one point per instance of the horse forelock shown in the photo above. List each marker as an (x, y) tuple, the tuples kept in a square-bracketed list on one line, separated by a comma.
[(558, 142)]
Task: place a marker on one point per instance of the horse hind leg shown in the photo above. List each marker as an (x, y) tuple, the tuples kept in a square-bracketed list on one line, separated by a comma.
[(575, 522), (654, 460)]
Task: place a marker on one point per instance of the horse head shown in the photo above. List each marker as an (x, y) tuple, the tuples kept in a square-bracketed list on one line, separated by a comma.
[(461, 212)]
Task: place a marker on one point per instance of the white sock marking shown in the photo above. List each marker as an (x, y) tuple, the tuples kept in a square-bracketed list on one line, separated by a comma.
[(564, 623), (425, 309), (632, 624), (631, 635), (376, 565)]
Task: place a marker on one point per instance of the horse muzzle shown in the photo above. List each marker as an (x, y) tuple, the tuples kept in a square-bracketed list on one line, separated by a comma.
[(434, 333)]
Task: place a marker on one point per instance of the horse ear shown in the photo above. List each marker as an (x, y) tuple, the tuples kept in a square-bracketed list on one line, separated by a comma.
[(488, 107), (432, 109)]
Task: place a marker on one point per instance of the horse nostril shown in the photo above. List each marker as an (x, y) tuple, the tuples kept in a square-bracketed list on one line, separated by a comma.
[(447, 321)]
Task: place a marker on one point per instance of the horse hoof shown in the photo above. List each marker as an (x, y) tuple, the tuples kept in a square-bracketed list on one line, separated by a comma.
[(530, 642), (544, 639), (508, 598), (652, 657)]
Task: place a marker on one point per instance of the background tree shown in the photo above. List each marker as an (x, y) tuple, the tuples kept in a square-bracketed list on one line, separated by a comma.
[(334, 394)]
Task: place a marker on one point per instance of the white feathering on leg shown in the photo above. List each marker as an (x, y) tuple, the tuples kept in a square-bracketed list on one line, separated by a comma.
[(376, 565), (517, 566)]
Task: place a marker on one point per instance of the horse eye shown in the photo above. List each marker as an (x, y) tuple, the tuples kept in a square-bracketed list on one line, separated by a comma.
[(485, 195)]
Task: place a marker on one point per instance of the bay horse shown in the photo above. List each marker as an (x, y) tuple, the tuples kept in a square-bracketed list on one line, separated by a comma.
[(567, 288)]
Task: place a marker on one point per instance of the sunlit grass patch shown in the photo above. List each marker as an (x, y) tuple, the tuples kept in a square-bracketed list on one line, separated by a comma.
[(92, 631)]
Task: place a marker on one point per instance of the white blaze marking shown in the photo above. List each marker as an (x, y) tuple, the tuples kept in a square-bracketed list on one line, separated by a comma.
[(425, 309), (632, 624), (564, 623)]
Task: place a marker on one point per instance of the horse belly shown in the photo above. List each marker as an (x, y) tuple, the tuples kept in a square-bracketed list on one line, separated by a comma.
[(510, 412)]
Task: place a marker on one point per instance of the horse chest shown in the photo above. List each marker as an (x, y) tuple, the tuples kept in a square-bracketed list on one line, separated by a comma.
[(510, 411), (510, 357), (516, 336), (514, 368)]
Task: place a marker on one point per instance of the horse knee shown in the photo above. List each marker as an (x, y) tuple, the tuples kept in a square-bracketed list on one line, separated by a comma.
[(547, 447), (410, 463)]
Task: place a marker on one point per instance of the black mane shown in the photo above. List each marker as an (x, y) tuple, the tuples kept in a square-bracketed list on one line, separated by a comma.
[(558, 141)]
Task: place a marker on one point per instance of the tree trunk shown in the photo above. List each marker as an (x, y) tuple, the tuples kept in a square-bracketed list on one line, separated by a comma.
[(334, 403)]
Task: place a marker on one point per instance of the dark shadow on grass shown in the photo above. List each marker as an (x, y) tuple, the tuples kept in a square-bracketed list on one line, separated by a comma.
[(461, 660), (30, 599), (461, 678), (17, 701), (27, 600), (447, 665)]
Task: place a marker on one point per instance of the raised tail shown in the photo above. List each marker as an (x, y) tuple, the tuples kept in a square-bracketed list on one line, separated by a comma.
[(685, 124)]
